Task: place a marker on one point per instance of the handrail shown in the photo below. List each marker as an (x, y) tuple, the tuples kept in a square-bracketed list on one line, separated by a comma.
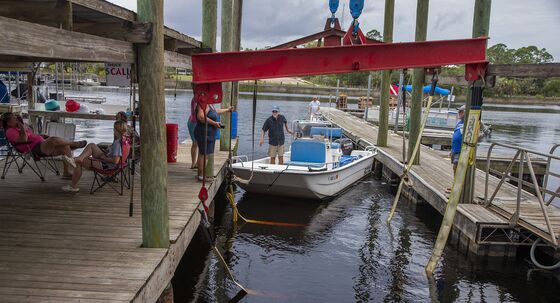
[(524, 159)]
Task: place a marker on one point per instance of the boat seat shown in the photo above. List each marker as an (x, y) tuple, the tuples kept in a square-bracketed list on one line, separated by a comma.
[(308, 153), (333, 132)]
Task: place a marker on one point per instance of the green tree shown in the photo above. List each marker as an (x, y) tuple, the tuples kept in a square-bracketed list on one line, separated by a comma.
[(552, 87)]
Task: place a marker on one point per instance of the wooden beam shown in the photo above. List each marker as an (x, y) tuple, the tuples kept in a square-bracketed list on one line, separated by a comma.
[(170, 44), (16, 66), (130, 31), (46, 12), (173, 59), (168, 32), (43, 43), (107, 8), (545, 70)]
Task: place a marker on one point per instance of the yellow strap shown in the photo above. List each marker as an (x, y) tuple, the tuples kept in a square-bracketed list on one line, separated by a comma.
[(408, 166), (231, 198), (467, 154)]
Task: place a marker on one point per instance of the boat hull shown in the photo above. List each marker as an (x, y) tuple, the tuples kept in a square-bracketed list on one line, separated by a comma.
[(282, 181)]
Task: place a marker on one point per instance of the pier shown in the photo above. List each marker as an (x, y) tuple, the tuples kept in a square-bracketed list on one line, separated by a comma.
[(63, 247), (477, 229)]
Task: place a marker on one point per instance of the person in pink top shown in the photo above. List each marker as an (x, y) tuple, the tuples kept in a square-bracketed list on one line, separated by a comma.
[(191, 124), (25, 140)]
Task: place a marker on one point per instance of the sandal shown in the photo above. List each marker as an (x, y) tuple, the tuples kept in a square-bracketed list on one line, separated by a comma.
[(83, 144)]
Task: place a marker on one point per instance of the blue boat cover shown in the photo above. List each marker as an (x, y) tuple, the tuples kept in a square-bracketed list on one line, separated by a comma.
[(426, 89), (333, 132), (308, 152)]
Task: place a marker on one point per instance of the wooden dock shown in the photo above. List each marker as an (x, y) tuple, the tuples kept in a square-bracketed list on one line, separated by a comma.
[(63, 247), (478, 229)]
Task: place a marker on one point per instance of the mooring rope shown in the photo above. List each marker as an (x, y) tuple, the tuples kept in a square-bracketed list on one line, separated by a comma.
[(408, 166)]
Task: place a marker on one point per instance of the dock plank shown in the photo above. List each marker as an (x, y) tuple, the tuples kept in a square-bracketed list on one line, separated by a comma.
[(436, 175), (61, 247)]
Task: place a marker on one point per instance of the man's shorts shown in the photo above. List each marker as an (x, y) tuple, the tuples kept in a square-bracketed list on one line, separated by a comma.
[(454, 158), (274, 150)]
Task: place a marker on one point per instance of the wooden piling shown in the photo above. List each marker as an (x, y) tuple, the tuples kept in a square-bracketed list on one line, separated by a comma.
[(227, 46), (236, 43), (31, 96), (209, 23), (481, 28), (386, 76), (417, 82), (153, 167)]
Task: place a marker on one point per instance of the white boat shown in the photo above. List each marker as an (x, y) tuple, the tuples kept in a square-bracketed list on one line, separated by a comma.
[(314, 168)]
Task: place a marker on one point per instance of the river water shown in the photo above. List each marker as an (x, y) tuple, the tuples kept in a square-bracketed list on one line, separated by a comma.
[(346, 252)]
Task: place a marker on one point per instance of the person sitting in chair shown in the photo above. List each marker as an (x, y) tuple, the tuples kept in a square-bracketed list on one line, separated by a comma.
[(93, 157), (26, 141)]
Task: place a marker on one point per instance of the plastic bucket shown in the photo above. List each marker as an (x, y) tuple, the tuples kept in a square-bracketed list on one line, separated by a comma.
[(172, 131)]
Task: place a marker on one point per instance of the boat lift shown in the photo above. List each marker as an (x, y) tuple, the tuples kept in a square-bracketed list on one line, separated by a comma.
[(352, 53)]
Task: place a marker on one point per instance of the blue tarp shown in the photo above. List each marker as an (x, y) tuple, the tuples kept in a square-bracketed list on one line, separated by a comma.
[(439, 90)]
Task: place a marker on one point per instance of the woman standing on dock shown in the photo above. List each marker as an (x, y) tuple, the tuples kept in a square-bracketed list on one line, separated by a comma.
[(205, 133), (191, 124)]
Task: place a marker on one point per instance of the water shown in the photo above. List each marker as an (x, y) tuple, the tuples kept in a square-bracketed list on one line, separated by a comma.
[(347, 253)]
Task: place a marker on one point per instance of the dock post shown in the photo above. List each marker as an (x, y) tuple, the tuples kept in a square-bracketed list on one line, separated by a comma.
[(209, 23), (153, 167), (481, 28), (209, 30), (385, 76), (31, 98), (417, 83), (236, 45), (227, 46)]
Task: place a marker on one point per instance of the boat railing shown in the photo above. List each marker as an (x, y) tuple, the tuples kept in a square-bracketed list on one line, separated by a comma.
[(240, 159), (523, 157)]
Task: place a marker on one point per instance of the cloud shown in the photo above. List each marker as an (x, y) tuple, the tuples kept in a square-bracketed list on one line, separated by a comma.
[(515, 23)]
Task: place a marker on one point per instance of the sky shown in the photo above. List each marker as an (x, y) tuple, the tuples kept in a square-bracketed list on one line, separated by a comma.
[(516, 23)]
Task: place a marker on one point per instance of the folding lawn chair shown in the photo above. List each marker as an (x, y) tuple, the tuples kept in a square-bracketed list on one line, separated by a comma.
[(20, 154), (119, 174)]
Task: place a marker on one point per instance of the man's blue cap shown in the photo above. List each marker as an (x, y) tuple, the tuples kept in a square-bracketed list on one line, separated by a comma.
[(275, 108)]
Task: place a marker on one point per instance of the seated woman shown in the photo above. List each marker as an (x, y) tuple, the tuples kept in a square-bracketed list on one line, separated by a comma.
[(93, 157), (25, 140)]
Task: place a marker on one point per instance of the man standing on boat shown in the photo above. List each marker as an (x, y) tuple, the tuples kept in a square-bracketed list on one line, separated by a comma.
[(314, 107), (275, 125)]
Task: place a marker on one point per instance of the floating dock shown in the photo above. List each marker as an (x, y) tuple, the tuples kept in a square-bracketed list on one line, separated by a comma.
[(484, 231), (63, 247)]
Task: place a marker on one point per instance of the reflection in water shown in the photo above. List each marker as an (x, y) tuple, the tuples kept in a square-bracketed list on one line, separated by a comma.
[(347, 253)]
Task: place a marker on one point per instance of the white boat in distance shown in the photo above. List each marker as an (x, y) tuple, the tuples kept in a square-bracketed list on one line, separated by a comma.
[(314, 168)]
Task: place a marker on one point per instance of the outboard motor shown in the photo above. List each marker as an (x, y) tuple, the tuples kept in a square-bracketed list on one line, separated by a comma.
[(346, 146)]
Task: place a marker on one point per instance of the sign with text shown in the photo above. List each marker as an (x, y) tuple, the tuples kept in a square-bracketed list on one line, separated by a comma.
[(118, 74)]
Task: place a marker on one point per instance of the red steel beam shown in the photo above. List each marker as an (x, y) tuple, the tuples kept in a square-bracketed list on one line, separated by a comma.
[(324, 34), (253, 65)]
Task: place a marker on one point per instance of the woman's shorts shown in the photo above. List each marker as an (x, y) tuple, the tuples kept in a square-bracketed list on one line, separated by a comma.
[(191, 126), (208, 148)]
